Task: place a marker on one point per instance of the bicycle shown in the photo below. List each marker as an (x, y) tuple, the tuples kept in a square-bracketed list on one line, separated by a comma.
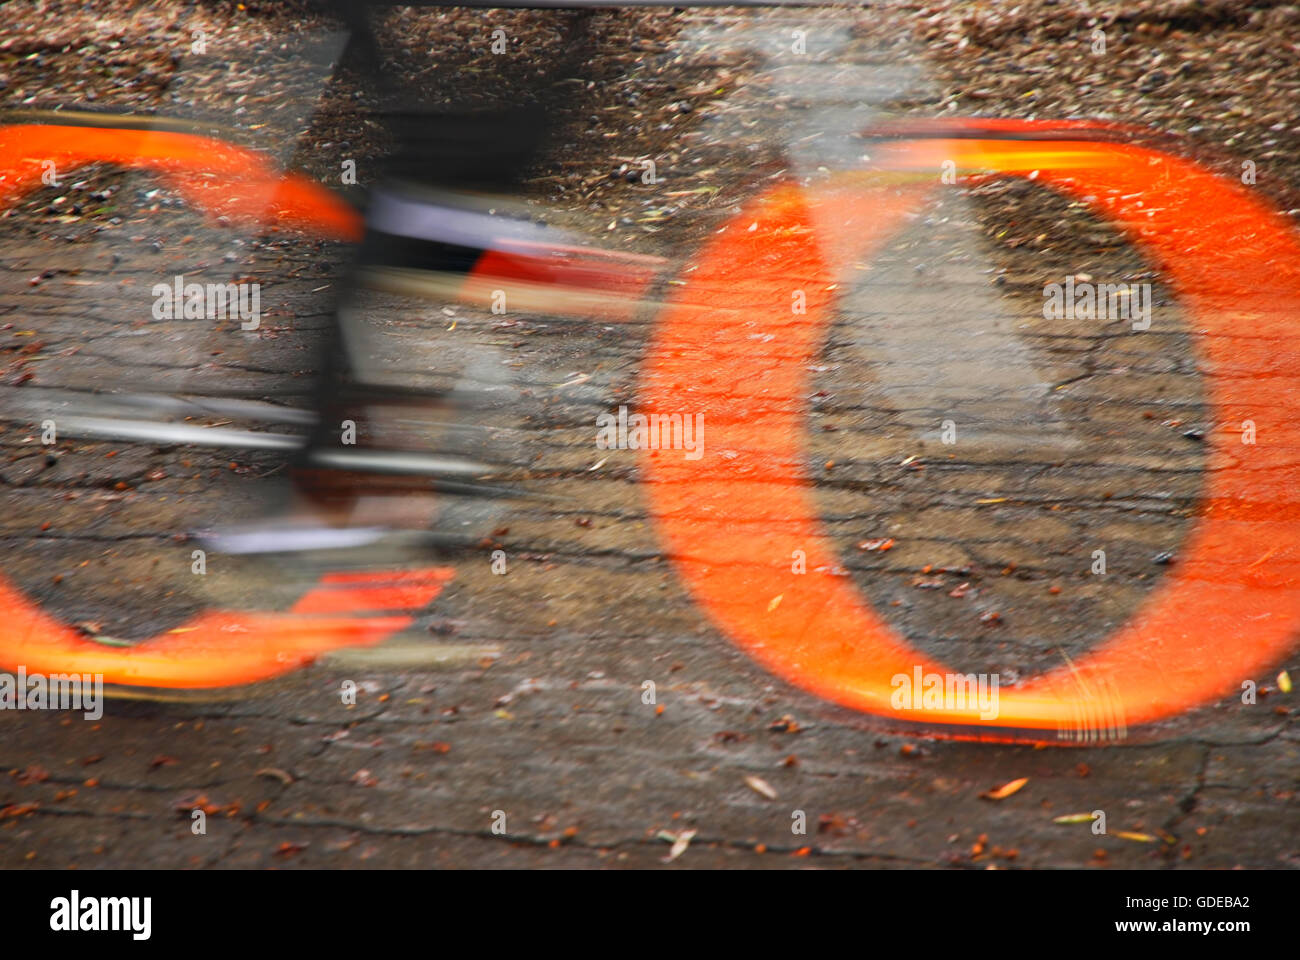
[(734, 526)]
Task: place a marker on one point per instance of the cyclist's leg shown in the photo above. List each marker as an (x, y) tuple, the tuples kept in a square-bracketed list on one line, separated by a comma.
[(428, 215)]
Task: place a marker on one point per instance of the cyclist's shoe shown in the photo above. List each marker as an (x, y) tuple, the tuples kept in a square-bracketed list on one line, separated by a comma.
[(445, 246), (315, 523), (289, 535)]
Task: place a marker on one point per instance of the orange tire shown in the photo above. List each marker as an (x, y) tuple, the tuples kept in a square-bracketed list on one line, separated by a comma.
[(217, 648), (727, 345)]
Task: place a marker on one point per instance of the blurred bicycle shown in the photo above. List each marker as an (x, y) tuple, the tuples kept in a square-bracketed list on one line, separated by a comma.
[(726, 341)]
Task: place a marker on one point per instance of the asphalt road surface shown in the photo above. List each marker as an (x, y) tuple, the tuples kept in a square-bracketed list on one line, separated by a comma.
[(508, 725)]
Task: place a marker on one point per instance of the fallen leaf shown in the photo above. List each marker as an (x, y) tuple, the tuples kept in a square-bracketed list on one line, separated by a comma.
[(680, 843), (1284, 682), (761, 786), (1006, 790), (1074, 818), (1139, 837)]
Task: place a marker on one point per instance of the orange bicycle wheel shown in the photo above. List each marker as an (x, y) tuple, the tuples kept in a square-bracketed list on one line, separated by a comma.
[(217, 648), (728, 345)]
